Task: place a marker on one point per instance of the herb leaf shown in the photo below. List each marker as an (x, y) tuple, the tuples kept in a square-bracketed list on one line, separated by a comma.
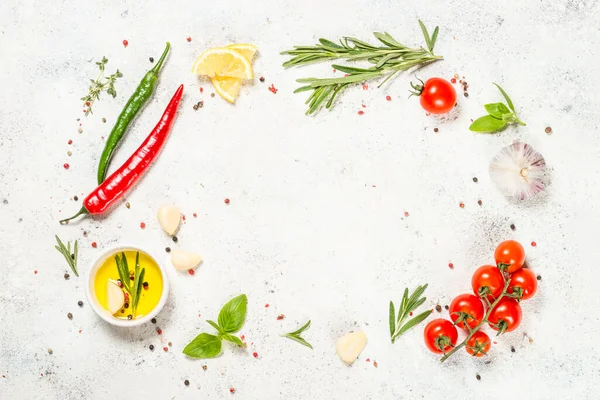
[(232, 339), (233, 314), (203, 346), (487, 123), (497, 110), (99, 85), (295, 336), (508, 101), (407, 305), (66, 252)]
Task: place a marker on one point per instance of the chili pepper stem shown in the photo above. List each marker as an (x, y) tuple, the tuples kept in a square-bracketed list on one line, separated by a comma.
[(161, 60), (82, 211), (483, 321)]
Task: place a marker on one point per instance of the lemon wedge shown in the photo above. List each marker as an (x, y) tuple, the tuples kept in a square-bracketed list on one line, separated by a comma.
[(247, 50), (223, 62), (227, 88)]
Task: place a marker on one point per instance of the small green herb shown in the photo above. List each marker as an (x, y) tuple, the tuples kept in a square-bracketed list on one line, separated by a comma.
[(407, 305), (66, 252), (98, 86), (231, 319), (500, 116), (296, 335)]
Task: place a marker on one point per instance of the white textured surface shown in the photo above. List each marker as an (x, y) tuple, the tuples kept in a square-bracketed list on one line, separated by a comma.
[(315, 226)]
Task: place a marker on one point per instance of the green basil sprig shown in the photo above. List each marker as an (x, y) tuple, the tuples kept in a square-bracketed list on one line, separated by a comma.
[(230, 320), (500, 116)]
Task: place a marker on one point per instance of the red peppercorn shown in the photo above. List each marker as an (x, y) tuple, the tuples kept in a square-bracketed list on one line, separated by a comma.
[(280, 317), (361, 112), (189, 39), (94, 245), (191, 271), (201, 90), (375, 364), (406, 213), (35, 272), (226, 201), (243, 337), (267, 305), (533, 244), (70, 141), (388, 98), (231, 390), (255, 354), (143, 225), (453, 80), (165, 348), (461, 205), (365, 86), (183, 217), (66, 166), (411, 313), (451, 265), (159, 331), (195, 215), (125, 43)]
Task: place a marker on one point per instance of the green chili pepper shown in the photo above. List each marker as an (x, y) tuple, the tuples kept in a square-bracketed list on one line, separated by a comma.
[(137, 100)]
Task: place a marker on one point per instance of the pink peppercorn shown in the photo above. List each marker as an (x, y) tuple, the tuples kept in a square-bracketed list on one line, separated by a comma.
[(451, 266), (189, 39), (191, 271), (143, 225), (125, 43), (255, 354), (66, 166), (533, 244), (94, 245), (388, 98), (361, 112)]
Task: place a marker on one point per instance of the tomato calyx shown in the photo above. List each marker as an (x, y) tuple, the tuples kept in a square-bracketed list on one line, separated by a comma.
[(502, 326), (479, 348), (417, 89), (517, 293), (464, 317), (484, 292), (442, 343), (503, 267)]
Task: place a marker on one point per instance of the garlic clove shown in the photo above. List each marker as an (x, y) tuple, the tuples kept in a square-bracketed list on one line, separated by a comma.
[(350, 346), (115, 298), (185, 260), (169, 217)]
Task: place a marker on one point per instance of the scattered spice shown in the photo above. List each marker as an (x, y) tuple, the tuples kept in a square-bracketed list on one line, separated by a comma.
[(375, 364), (175, 239), (539, 277), (94, 245), (272, 89), (125, 43), (69, 153), (168, 249), (548, 130), (70, 316), (512, 349), (159, 331), (461, 205), (255, 354), (466, 94), (198, 105), (533, 244), (280, 317), (226, 201), (388, 98), (130, 316), (191, 271), (151, 347), (104, 120), (143, 225), (406, 213), (189, 39), (475, 179), (75, 198), (446, 307), (165, 348), (205, 367), (512, 226), (231, 390), (127, 205), (450, 265), (195, 215), (66, 166), (67, 276), (267, 305), (80, 303), (186, 382), (80, 130), (436, 130), (438, 308), (478, 377), (50, 351), (35, 272), (201, 90), (151, 59), (361, 112), (262, 79), (453, 80), (212, 95), (153, 320), (70, 141), (170, 344), (479, 202)]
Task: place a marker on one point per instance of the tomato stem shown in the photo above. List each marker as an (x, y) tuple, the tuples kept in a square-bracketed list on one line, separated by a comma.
[(483, 321)]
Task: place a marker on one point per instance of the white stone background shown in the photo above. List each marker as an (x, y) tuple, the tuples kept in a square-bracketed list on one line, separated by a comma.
[(316, 224)]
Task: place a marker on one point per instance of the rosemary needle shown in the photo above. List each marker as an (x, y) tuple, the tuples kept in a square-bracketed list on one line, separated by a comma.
[(66, 252)]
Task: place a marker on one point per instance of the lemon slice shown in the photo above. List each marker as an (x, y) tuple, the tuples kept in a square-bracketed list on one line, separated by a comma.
[(247, 50), (227, 88), (223, 62)]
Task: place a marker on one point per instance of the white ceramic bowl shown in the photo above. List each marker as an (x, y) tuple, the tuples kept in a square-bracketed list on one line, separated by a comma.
[(101, 311)]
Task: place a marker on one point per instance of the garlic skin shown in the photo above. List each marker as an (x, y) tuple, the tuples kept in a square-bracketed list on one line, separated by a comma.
[(115, 298), (185, 260), (519, 171), (350, 346), (169, 217)]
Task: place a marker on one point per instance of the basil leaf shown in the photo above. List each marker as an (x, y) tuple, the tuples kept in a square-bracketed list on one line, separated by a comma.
[(232, 339), (508, 101), (487, 124), (497, 110), (214, 325), (203, 346), (232, 315)]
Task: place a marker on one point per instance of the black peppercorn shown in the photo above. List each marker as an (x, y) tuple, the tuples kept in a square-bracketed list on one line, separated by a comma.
[(479, 202), (80, 303), (446, 307), (168, 249), (438, 308), (186, 382), (151, 347), (151, 59), (262, 79), (512, 226), (67, 276), (478, 377), (512, 349), (539, 277), (75, 198), (466, 94), (153, 320), (475, 179), (130, 316), (436, 130), (70, 316), (175, 239), (145, 284), (126, 305)]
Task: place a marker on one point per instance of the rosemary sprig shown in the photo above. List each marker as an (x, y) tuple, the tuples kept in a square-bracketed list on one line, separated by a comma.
[(135, 290), (98, 86), (296, 335), (387, 61), (66, 252), (407, 305)]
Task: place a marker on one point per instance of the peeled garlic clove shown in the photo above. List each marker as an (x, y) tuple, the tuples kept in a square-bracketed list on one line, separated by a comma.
[(185, 260), (169, 217), (115, 298), (350, 346)]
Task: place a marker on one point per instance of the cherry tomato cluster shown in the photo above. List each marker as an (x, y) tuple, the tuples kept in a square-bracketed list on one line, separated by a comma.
[(495, 302)]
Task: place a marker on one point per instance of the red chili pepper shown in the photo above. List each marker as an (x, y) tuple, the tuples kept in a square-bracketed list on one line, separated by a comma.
[(120, 181)]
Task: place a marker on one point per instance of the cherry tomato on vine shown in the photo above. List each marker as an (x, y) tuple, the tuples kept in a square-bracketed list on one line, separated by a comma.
[(437, 95), (440, 336), (512, 253), (466, 309), (506, 316), (479, 344), (487, 279), (524, 283)]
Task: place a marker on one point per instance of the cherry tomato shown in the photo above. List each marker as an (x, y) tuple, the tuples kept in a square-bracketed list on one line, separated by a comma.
[(512, 253), (487, 279), (437, 95), (466, 308), (524, 283), (506, 316), (479, 344), (440, 335)]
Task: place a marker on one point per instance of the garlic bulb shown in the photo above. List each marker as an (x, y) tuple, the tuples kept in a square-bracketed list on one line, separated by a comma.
[(185, 260), (168, 217), (350, 346), (519, 171)]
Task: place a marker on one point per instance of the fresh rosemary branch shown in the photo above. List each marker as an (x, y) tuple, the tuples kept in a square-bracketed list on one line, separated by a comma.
[(407, 306), (66, 252), (387, 61), (135, 290), (296, 335), (98, 86)]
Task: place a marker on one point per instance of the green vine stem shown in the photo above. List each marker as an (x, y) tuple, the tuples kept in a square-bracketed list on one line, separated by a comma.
[(483, 321)]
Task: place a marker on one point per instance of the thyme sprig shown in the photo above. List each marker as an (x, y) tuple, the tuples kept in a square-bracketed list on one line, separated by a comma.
[(387, 61), (66, 252), (99, 85)]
